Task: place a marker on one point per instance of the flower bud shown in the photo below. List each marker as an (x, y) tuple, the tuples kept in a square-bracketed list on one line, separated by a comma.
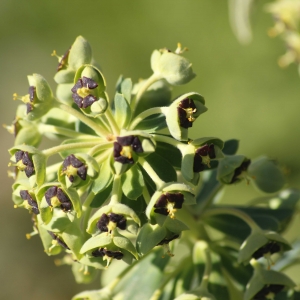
[(174, 68)]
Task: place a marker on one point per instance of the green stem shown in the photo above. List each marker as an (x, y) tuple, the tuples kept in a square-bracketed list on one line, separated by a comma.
[(99, 148), (116, 192), (87, 209), (112, 122), (153, 78), (157, 293), (60, 148), (146, 195), (169, 140), (84, 119), (207, 270), (147, 167), (144, 115), (234, 212), (45, 128)]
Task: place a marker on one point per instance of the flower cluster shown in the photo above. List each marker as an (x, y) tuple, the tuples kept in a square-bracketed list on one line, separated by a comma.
[(124, 190)]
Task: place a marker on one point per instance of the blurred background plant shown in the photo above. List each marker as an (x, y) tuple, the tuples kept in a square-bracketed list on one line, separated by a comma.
[(259, 102)]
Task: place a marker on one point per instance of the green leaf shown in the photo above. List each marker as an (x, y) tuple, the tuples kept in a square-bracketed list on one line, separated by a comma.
[(230, 147), (162, 167), (126, 87), (97, 241), (104, 179), (154, 264), (133, 183), (173, 154), (122, 110), (149, 237), (102, 196)]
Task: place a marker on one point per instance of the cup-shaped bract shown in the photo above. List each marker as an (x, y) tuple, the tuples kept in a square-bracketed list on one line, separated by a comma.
[(261, 244), (181, 114), (196, 156), (232, 168), (172, 67), (103, 294), (77, 170), (110, 217), (267, 175), (39, 99), (265, 284)]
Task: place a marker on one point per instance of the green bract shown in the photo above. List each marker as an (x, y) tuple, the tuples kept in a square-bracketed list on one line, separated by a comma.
[(114, 187)]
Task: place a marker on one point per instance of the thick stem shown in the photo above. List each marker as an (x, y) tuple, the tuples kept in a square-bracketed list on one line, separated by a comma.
[(169, 140), (45, 128), (234, 212), (147, 167), (84, 119), (144, 115), (116, 192), (112, 122), (153, 78)]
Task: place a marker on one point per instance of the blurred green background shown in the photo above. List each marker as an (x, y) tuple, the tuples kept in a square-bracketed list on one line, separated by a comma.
[(249, 97)]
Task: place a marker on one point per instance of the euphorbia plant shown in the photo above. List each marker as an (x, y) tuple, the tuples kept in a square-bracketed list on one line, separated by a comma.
[(130, 192)]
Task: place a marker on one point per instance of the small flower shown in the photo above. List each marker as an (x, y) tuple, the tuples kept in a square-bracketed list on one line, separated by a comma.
[(107, 254), (29, 99), (268, 291), (123, 149), (82, 92), (72, 166), (202, 157), (186, 109), (29, 203), (62, 60), (168, 203), (107, 223), (55, 197), (57, 241), (239, 171), (24, 162)]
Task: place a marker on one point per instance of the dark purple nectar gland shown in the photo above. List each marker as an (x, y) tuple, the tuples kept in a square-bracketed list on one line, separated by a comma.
[(185, 111), (24, 163), (63, 63), (238, 171), (168, 240), (268, 291), (29, 202), (124, 146), (270, 248), (107, 223), (202, 157), (107, 254), (82, 92), (72, 166), (167, 204), (57, 241), (55, 197)]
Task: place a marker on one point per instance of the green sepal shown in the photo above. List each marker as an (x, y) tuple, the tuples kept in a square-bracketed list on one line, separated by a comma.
[(104, 179), (103, 294), (149, 237), (97, 241), (227, 166), (80, 53), (174, 68), (133, 183), (122, 110), (43, 101), (266, 174), (257, 239), (114, 208), (172, 118), (262, 278)]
